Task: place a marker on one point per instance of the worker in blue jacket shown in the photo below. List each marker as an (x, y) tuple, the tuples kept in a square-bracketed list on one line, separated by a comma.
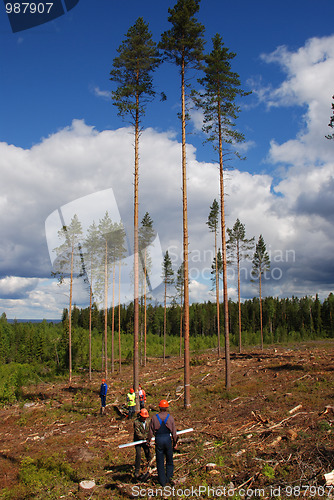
[(103, 395), (162, 426)]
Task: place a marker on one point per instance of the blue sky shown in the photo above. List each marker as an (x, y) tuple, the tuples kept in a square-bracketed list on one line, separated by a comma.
[(61, 140)]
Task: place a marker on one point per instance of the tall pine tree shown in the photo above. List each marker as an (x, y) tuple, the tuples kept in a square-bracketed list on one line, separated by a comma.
[(238, 247), (213, 224), (132, 71), (121, 252), (183, 45), (146, 236), (261, 264), (106, 251), (118, 252), (91, 244), (221, 86), (69, 263), (168, 278)]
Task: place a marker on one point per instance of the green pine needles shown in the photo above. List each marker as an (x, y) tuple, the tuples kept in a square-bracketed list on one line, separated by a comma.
[(132, 71)]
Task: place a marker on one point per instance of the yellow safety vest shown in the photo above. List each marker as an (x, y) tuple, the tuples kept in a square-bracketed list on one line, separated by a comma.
[(131, 399)]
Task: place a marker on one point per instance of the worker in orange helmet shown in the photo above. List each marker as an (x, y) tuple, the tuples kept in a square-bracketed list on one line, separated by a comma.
[(131, 402), (140, 428), (162, 426)]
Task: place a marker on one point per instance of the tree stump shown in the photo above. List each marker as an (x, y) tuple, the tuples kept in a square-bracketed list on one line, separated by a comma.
[(210, 467), (86, 487)]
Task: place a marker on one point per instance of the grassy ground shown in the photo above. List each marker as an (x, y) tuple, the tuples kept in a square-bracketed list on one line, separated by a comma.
[(270, 436)]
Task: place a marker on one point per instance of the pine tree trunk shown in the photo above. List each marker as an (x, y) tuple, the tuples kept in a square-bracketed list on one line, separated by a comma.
[(90, 324), (181, 325), (223, 230), (185, 247), (165, 321), (217, 294), (261, 325), (70, 321), (119, 317), (141, 326), (106, 312), (239, 302), (136, 266), (145, 315), (113, 321)]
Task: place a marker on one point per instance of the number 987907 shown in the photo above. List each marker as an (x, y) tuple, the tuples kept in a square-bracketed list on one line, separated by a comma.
[(28, 8)]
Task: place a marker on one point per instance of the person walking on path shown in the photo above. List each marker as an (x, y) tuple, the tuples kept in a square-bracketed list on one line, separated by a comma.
[(142, 397), (140, 428), (131, 402), (162, 426), (103, 395)]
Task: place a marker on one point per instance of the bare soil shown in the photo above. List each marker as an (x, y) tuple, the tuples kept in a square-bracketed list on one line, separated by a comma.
[(269, 436)]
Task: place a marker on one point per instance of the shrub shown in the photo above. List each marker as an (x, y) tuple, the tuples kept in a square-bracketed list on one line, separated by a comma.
[(45, 473), (12, 378)]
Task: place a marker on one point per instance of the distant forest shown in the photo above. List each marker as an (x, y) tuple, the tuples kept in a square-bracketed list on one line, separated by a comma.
[(284, 320)]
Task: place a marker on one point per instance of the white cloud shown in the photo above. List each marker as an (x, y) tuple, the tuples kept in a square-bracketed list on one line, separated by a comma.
[(31, 298), (199, 292), (307, 69), (308, 83), (17, 286), (101, 93), (295, 215)]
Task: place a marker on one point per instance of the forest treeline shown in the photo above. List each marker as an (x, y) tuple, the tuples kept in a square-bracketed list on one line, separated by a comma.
[(284, 320), (31, 352)]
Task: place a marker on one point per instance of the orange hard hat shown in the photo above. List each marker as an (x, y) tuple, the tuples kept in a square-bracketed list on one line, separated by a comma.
[(144, 413), (131, 390), (103, 380), (163, 404)]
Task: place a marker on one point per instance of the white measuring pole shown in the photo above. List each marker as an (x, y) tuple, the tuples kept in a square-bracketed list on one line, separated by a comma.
[(134, 443)]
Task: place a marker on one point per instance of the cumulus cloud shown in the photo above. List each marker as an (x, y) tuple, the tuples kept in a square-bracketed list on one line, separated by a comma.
[(308, 84), (17, 287), (306, 188), (307, 69), (294, 213), (79, 161)]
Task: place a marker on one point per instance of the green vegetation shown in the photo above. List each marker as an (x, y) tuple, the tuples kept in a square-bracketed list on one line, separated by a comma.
[(46, 475), (268, 471), (12, 378), (31, 352)]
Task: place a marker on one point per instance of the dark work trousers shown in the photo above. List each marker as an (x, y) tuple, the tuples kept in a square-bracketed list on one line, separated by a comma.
[(163, 448), (132, 411), (147, 452), (103, 401)]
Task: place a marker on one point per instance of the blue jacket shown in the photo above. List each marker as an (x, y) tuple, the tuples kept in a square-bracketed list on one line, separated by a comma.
[(103, 389)]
